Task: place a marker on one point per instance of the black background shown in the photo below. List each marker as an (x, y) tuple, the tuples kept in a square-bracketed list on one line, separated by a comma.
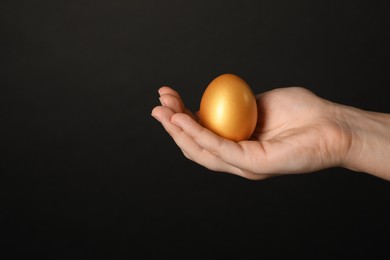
[(87, 173)]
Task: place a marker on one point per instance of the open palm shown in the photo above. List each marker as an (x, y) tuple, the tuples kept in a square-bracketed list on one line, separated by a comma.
[(296, 132)]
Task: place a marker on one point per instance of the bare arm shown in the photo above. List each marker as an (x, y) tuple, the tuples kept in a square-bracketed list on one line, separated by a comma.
[(370, 147)]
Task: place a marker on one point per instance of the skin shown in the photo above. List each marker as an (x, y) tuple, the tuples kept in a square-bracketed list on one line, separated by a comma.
[(297, 132)]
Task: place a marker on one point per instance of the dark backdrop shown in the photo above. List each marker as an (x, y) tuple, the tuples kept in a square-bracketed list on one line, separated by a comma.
[(87, 173)]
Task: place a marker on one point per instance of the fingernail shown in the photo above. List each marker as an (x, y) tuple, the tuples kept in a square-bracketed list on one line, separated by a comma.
[(162, 101)]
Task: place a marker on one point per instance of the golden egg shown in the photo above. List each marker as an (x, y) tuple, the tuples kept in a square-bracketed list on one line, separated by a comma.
[(228, 108)]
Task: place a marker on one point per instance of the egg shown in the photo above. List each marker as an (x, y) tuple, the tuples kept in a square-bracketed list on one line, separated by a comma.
[(228, 108)]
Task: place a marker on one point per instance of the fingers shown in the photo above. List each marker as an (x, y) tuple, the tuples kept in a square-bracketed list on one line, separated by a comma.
[(171, 98), (190, 148), (163, 115), (174, 103), (167, 90), (227, 151), (197, 143), (247, 155)]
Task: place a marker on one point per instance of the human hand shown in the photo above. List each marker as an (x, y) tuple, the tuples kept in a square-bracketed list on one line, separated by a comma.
[(296, 132)]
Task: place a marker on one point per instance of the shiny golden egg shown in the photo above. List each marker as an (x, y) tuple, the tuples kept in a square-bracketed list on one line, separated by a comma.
[(228, 108)]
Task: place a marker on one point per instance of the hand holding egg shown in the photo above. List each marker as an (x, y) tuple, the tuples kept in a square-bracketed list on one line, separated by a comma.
[(295, 128)]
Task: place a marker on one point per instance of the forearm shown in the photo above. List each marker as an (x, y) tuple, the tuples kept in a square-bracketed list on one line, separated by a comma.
[(369, 149)]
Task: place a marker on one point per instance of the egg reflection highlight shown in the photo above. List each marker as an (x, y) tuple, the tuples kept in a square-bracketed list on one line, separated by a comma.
[(228, 108)]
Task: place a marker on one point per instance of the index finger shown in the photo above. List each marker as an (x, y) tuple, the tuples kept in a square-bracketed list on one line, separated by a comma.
[(245, 155)]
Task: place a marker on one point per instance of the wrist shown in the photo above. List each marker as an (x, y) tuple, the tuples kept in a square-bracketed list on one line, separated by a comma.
[(369, 135)]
